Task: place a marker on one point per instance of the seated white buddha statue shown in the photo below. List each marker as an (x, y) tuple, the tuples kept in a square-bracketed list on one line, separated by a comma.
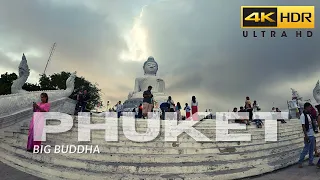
[(150, 78)]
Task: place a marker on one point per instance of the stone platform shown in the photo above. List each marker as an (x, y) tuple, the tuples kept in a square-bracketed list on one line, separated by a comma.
[(184, 159)]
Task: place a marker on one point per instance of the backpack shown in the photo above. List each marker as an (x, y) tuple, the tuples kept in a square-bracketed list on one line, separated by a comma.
[(313, 113)]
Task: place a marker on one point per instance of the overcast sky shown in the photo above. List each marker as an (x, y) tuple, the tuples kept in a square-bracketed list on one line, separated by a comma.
[(198, 45)]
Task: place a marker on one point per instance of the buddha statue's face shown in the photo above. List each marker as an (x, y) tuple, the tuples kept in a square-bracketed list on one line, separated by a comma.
[(151, 68)]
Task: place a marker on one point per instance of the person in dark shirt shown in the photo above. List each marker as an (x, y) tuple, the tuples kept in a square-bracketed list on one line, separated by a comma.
[(243, 119), (83, 99), (147, 102), (140, 111), (164, 108), (79, 100), (281, 120)]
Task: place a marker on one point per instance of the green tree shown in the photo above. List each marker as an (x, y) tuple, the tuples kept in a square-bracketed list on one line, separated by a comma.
[(45, 83), (94, 92), (6, 81), (31, 87), (58, 81)]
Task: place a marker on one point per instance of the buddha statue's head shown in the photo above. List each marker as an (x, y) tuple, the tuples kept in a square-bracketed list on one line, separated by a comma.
[(150, 67)]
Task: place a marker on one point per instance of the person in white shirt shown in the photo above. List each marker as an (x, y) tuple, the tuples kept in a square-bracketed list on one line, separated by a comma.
[(256, 107), (178, 111), (119, 109), (234, 115), (308, 128), (188, 110)]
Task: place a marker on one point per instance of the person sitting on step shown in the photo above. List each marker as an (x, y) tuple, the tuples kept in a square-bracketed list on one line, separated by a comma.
[(280, 118), (243, 119)]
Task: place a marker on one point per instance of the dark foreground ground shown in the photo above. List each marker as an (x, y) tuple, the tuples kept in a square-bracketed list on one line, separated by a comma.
[(290, 173)]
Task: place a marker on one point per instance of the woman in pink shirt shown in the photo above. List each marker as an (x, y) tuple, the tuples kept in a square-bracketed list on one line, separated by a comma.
[(37, 122)]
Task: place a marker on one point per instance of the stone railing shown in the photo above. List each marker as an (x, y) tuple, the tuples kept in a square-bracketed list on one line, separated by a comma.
[(17, 102), (15, 115)]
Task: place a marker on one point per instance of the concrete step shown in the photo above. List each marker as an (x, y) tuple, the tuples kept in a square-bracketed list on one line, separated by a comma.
[(119, 147), (249, 128), (228, 173), (200, 125), (131, 160), (209, 133), (139, 155), (183, 137), (183, 144), (49, 171), (162, 168)]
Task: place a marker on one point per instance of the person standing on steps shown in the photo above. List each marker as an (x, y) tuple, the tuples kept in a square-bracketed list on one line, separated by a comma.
[(194, 108), (280, 118), (308, 128), (314, 116), (36, 128), (84, 98), (256, 107), (119, 109), (140, 111), (171, 103), (164, 108), (178, 111), (187, 109), (147, 102), (248, 107), (79, 101), (318, 121)]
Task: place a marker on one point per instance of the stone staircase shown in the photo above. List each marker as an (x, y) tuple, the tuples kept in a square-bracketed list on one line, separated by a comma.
[(184, 159)]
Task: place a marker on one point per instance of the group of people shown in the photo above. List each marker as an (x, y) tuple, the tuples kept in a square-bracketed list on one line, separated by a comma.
[(168, 106), (254, 107), (250, 108)]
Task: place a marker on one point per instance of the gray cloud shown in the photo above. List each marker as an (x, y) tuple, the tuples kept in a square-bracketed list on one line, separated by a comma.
[(211, 54), (198, 45), (83, 36)]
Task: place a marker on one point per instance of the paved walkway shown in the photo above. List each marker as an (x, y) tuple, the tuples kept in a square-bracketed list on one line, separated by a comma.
[(292, 173), (9, 173)]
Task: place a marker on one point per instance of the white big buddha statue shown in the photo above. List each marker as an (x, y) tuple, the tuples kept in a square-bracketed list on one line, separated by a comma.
[(150, 78)]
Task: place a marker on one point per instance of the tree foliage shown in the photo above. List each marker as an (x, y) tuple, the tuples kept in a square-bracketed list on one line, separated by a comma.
[(31, 87), (55, 81), (6, 81)]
